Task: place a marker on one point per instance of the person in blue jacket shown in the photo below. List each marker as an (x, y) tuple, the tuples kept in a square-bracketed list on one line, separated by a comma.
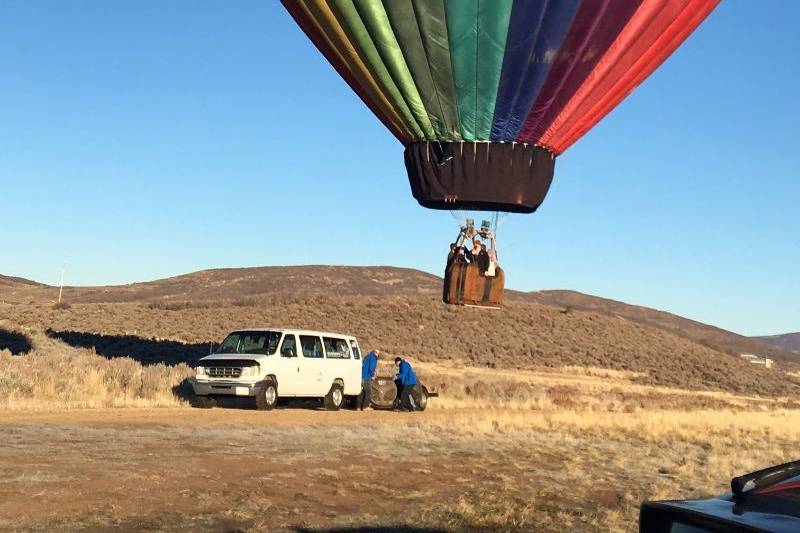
[(369, 365), (408, 384)]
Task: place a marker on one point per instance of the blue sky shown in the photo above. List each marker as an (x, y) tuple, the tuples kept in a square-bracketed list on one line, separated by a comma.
[(146, 139)]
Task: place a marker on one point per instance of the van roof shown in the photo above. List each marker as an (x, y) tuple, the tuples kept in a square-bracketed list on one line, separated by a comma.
[(295, 330)]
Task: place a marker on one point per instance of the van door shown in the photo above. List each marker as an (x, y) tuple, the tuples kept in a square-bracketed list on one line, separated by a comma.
[(312, 368), (340, 361), (354, 387), (287, 367)]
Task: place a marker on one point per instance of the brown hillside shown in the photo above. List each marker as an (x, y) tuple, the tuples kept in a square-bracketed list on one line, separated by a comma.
[(11, 281), (711, 336), (789, 342), (524, 335), (265, 285), (232, 284), (13, 288)]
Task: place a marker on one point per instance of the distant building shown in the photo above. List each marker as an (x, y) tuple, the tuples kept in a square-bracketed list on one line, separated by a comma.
[(757, 359)]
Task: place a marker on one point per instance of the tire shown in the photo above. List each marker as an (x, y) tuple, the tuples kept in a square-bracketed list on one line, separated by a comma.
[(422, 399), (203, 402), (334, 399), (267, 396)]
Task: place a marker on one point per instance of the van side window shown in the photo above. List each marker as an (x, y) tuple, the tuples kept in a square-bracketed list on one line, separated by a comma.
[(312, 346), (336, 348), (289, 346), (356, 351)]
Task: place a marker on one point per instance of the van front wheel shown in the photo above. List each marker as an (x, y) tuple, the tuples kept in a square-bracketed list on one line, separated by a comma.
[(203, 402), (335, 398), (267, 396)]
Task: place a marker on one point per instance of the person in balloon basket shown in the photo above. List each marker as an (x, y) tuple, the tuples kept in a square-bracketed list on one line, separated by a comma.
[(460, 257), (369, 365), (452, 255), (491, 271), (472, 254), (456, 255), (406, 382), (483, 260)]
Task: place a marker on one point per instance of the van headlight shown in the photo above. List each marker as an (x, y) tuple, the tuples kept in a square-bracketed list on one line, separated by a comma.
[(201, 370), (251, 371)]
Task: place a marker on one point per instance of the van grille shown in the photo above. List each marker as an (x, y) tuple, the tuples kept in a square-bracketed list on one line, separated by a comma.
[(224, 371)]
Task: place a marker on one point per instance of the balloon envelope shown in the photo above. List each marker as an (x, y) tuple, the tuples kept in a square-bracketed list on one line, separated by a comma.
[(485, 94)]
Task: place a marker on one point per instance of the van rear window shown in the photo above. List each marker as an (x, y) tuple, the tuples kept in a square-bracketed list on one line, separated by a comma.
[(336, 348)]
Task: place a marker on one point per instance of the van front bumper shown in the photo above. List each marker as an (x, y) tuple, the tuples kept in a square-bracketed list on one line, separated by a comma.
[(224, 388)]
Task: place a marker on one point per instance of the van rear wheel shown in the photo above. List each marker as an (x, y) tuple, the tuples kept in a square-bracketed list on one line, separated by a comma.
[(334, 399), (267, 396)]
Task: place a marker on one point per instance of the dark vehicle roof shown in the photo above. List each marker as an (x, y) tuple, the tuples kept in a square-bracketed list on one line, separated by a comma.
[(772, 507)]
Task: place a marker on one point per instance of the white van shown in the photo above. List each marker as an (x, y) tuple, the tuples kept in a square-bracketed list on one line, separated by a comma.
[(273, 363)]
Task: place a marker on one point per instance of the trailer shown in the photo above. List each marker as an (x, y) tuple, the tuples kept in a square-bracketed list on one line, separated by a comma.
[(386, 393)]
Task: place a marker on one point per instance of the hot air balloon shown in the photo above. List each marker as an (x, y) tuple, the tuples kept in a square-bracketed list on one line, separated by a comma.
[(485, 94)]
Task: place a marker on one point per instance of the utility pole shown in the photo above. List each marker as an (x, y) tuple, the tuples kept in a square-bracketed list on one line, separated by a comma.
[(61, 283)]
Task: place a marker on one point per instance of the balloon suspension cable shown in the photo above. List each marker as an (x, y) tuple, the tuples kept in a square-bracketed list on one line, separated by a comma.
[(481, 224), (495, 218)]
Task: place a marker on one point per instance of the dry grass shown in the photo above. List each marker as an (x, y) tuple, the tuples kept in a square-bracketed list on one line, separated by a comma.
[(522, 336), (587, 389), (454, 470), (55, 376), (664, 455), (702, 427), (483, 510), (73, 369)]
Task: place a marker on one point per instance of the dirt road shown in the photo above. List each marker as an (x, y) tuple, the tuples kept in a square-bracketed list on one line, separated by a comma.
[(223, 469), (179, 469), (193, 418)]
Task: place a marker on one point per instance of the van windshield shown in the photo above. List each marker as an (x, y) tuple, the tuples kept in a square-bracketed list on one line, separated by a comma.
[(252, 342)]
